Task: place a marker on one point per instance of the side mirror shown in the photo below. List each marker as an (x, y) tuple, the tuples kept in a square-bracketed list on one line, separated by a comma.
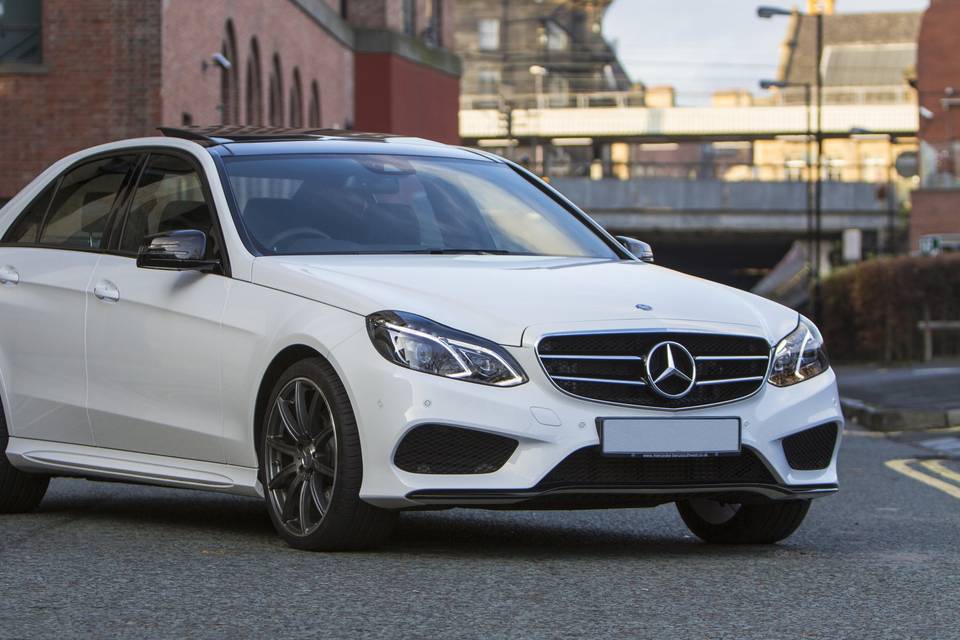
[(638, 248), (182, 250)]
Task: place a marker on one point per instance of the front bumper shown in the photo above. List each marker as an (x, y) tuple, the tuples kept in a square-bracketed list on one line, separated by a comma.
[(549, 425)]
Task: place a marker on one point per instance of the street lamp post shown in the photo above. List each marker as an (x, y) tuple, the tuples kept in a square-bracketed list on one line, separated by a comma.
[(769, 12), (808, 152)]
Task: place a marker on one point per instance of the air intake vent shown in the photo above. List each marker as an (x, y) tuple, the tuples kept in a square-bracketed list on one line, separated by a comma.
[(811, 449), (436, 449), (611, 367), (589, 467)]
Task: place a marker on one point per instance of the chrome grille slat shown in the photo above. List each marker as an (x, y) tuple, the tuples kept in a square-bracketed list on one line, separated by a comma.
[(609, 366), (564, 357), (600, 380), (729, 380)]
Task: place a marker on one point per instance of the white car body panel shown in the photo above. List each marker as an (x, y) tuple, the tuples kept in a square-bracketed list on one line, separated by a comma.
[(153, 360), (42, 352), (498, 297), (166, 389)]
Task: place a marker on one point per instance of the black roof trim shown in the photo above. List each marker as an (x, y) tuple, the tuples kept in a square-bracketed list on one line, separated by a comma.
[(223, 134)]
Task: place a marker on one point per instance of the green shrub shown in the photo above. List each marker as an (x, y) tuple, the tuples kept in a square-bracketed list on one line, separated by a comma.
[(871, 310)]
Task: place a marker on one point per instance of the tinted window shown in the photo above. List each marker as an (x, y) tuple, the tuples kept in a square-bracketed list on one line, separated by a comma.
[(78, 214), (395, 204), (27, 226), (169, 197)]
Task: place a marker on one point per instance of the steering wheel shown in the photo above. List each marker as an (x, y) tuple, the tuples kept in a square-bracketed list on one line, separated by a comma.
[(296, 233)]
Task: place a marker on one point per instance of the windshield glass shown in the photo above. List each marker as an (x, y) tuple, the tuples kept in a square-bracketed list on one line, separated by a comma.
[(310, 204)]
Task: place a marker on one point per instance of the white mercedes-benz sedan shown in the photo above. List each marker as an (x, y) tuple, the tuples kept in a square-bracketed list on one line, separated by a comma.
[(352, 325)]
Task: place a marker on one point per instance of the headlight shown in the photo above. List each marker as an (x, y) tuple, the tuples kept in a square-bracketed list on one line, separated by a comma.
[(799, 356), (423, 345)]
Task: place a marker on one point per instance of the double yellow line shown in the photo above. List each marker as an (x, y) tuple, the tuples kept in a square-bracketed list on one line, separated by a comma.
[(935, 466)]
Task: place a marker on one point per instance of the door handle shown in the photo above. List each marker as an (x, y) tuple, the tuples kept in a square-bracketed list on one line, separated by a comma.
[(9, 276), (106, 291)]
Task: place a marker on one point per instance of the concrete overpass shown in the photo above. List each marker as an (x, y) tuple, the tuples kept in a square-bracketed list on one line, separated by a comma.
[(733, 232), (647, 124)]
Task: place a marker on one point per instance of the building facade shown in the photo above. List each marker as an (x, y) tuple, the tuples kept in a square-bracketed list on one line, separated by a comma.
[(936, 203), (72, 77), (535, 52)]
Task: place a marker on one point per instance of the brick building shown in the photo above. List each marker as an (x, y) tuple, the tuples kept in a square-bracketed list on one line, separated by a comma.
[(936, 203), (74, 75)]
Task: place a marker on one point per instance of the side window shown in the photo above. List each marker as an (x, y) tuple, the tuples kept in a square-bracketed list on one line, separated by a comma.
[(169, 197), (79, 211), (27, 227)]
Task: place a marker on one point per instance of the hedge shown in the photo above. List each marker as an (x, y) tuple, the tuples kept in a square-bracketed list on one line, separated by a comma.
[(871, 310)]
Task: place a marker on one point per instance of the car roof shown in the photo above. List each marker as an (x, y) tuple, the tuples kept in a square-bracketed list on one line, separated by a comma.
[(246, 140)]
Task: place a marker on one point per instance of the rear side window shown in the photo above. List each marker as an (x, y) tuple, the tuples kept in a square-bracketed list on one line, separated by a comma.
[(78, 214), (27, 226)]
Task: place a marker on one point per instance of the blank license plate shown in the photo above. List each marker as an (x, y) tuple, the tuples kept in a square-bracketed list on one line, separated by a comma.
[(670, 437)]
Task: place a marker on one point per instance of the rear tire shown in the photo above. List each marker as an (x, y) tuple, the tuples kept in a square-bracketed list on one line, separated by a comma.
[(721, 523), (19, 492), (311, 465)]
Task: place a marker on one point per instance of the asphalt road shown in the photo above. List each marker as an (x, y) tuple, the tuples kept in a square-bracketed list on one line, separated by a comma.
[(879, 560)]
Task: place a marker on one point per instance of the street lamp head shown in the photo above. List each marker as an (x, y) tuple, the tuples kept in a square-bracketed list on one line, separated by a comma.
[(537, 70), (773, 84), (768, 12)]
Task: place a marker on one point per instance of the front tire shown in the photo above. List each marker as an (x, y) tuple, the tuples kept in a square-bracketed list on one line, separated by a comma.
[(724, 523), (19, 492), (311, 465)]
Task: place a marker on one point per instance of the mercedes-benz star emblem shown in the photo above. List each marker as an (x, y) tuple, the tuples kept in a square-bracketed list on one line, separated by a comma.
[(671, 370)]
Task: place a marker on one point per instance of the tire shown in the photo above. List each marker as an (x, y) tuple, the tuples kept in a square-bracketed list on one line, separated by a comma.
[(320, 467), (719, 523), (19, 492)]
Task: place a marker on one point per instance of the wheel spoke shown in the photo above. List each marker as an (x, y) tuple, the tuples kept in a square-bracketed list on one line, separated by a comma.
[(316, 490), (300, 406), (292, 500), (305, 505), (325, 470), (324, 435), (277, 443), (283, 478), (312, 410), (289, 420)]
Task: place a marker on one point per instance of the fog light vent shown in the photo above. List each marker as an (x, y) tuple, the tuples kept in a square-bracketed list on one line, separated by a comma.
[(436, 448), (811, 449)]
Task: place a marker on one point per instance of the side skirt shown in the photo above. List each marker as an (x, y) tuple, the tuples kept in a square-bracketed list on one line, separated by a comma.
[(60, 459)]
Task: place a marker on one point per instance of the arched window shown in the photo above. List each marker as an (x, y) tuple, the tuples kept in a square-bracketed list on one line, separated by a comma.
[(230, 79), (276, 93), (254, 99), (313, 112), (296, 101)]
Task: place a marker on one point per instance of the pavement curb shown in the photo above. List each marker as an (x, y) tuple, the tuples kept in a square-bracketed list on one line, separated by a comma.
[(877, 418)]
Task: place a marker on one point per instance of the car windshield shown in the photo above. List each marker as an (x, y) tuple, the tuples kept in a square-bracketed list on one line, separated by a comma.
[(331, 203)]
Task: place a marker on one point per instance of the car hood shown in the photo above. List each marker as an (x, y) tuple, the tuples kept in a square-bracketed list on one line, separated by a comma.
[(513, 300)]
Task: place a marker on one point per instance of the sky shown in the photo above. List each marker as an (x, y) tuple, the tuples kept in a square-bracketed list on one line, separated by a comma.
[(700, 46)]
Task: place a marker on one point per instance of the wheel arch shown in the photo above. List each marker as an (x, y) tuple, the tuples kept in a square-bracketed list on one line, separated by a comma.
[(287, 357)]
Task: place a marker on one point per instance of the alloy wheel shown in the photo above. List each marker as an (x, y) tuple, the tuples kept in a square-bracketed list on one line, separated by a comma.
[(300, 448)]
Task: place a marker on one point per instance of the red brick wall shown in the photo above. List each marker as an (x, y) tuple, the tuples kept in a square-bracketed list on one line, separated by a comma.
[(395, 95), (937, 210), (192, 31), (937, 69), (100, 81), (934, 211)]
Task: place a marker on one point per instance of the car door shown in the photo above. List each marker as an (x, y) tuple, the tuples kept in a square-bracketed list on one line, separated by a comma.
[(46, 260), (153, 336)]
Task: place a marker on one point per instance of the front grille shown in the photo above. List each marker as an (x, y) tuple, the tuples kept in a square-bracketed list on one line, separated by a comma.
[(589, 466), (437, 448), (610, 366), (811, 449)]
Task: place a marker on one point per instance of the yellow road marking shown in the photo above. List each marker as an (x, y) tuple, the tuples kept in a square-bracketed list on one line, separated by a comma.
[(937, 467), (903, 466)]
